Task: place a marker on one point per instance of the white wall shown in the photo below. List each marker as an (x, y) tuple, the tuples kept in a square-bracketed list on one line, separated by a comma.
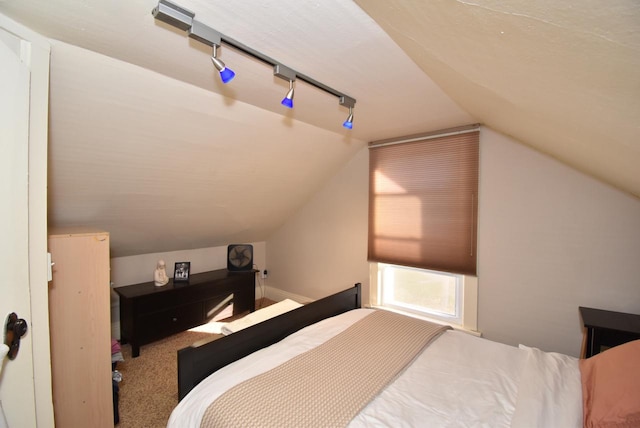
[(136, 269), (322, 249), (550, 239)]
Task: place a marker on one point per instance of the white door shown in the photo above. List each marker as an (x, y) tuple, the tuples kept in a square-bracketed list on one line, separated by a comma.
[(18, 380), (17, 387)]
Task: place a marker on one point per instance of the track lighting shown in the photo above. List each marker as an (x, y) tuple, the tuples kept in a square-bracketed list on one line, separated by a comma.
[(286, 73), (226, 74), (349, 122), (207, 35), (348, 102), (173, 14), (181, 18), (287, 101)]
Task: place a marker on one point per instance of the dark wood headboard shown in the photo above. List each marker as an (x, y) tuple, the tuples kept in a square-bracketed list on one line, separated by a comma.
[(198, 361)]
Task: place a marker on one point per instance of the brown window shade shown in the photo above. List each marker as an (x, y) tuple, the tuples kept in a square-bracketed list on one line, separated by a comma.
[(423, 203)]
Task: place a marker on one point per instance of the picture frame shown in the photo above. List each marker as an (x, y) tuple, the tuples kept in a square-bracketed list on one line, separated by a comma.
[(181, 272)]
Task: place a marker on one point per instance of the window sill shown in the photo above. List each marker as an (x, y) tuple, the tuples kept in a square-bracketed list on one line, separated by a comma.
[(433, 320)]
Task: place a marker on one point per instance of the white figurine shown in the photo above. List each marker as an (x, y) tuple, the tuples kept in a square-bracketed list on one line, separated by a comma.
[(160, 274)]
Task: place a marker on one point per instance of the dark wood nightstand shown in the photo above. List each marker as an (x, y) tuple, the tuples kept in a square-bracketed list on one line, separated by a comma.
[(607, 329)]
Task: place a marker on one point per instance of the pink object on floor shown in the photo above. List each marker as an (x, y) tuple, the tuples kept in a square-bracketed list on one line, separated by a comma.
[(115, 346)]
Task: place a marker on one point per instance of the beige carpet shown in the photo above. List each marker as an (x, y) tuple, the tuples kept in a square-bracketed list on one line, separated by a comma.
[(149, 387)]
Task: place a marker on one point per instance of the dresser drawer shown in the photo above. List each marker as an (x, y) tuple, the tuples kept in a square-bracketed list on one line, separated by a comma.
[(164, 300), (160, 324)]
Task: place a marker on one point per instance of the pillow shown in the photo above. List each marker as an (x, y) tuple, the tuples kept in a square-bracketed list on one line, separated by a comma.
[(611, 387)]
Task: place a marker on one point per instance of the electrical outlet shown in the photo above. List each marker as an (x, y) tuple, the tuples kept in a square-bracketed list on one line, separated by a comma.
[(264, 274)]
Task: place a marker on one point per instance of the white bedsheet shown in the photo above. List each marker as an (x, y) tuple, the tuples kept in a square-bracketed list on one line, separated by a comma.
[(550, 393), (459, 381)]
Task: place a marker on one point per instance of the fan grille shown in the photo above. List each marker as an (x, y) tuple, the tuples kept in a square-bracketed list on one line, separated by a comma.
[(240, 257)]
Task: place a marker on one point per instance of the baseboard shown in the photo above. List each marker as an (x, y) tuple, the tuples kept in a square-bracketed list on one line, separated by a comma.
[(278, 295)]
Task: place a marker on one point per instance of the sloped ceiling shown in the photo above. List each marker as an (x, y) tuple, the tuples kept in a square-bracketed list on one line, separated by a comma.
[(560, 76), (146, 143)]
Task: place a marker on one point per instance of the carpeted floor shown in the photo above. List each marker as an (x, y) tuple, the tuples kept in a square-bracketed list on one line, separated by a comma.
[(149, 387)]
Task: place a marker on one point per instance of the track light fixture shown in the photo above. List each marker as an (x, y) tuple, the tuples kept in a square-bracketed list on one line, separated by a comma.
[(288, 74), (226, 74), (287, 101), (349, 122), (348, 102), (183, 19), (207, 35)]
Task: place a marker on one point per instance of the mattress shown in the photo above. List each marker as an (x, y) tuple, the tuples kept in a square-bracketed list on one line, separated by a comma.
[(458, 381)]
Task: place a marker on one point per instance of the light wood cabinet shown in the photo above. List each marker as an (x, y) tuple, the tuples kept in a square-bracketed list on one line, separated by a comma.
[(80, 328)]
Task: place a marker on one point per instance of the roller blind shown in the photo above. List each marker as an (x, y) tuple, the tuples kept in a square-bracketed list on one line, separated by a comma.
[(423, 203)]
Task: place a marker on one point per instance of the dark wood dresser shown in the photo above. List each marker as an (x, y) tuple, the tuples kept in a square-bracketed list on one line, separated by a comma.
[(149, 313)]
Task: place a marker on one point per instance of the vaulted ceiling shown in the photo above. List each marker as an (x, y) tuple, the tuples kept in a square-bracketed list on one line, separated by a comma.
[(147, 143)]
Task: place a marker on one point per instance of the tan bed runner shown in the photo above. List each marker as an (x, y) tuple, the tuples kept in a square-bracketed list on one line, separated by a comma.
[(326, 386)]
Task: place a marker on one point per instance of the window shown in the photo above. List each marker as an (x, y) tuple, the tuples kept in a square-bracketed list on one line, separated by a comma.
[(423, 204), (418, 290), (440, 296)]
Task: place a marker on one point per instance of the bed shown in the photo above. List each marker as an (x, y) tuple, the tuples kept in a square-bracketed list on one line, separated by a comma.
[(319, 365)]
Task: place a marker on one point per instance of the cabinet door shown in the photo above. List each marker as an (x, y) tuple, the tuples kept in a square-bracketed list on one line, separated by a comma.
[(80, 328), (170, 321)]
